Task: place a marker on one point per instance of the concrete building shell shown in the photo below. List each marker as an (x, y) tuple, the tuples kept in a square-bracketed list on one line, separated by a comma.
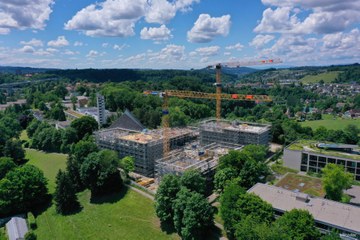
[(242, 133), (145, 147)]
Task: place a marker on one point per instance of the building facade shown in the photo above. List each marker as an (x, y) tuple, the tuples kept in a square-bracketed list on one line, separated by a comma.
[(312, 159), (241, 133), (101, 114)]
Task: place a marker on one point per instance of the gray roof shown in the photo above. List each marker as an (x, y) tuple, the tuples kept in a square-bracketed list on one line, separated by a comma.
[(16, 228), (331, 213), (128, 121)]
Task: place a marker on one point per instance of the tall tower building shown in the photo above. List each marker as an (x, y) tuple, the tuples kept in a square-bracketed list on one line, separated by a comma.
[(101, 109)]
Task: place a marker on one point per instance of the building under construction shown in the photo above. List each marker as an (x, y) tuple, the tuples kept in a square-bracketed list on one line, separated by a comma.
[(236, 132), (204, 159), (145, 146)]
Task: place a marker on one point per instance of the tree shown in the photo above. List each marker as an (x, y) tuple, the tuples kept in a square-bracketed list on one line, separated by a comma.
[(194, 181), (14, 150), (335, 180), (333, 235), (298, 224), (6, 165), (31, 128), (223, 177), (236, 204), (250, 228), (99, 172), (165, 196), (84, 125), (65, 194), (30, 236), (78, 153), (193, 214), (128, 164), (22, 189)]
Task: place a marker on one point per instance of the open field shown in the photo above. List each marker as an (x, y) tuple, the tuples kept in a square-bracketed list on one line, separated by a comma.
[(49, 163), (309, 185), (329, 122), (125, 215), (328, 77)]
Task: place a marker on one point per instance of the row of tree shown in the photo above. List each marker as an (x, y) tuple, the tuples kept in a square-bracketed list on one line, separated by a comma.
[(47, 138)]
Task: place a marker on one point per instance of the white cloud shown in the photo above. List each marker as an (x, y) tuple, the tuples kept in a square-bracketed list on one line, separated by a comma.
[(27, 49), (308, 16), (59, 42), (206, 28), (105, 45), (52, 50), (78, 44), (33, 42), (114, 18), (171, 53), (342, 41), (69, 52), (260, 40), (92, 53), (24, 14), (4, 31), (159, 34), (208, 51), (120, 47), (117, 18), (162, 11), (237, 46), (227, 53)]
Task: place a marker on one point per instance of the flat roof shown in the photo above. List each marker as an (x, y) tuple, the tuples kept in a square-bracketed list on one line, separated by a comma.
[(236, 126), (311, 146), (339, 215)]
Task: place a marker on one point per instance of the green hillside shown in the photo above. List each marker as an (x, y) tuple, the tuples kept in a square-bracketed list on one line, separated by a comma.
[(328, 77)]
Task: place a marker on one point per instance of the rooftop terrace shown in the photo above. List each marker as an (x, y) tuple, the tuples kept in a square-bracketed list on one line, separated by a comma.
[(311, 146)]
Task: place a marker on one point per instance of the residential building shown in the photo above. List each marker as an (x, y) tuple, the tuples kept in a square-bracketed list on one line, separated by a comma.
[(128, 121), (312, 156), (101, 113)]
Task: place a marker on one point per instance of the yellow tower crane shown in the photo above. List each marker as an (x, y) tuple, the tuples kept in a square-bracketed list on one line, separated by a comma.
[(218, 96)]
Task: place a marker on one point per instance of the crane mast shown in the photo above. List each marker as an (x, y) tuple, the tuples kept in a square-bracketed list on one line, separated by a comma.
[(218, 96)]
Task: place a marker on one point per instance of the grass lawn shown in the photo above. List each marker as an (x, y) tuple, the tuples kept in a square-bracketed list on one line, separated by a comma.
[(328, 77), (309, 185), (24, 136), (49, 163), (125, 215), (329, 122)]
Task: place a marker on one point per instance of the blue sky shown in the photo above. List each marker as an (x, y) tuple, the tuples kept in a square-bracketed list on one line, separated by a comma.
[(179, 34)]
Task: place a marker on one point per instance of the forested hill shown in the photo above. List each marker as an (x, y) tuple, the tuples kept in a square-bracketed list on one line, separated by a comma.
[(22, 70), (307, 74), (121, 75)]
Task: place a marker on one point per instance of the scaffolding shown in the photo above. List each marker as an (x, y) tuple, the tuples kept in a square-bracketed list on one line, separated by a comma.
[(145, 146), (235, 132), (204, 159)]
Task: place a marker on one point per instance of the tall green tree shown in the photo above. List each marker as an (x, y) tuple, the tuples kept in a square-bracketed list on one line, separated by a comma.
[(65, 194), (193, 214), (127, 164), (22, 189), (6, 165), (194, 181), (99, 172), (236, 204), (84, 126), (298, 224), (165, 196), (14, 150), (335, 180)]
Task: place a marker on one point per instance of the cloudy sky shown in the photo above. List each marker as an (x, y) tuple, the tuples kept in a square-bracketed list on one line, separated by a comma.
[(179, 34)]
